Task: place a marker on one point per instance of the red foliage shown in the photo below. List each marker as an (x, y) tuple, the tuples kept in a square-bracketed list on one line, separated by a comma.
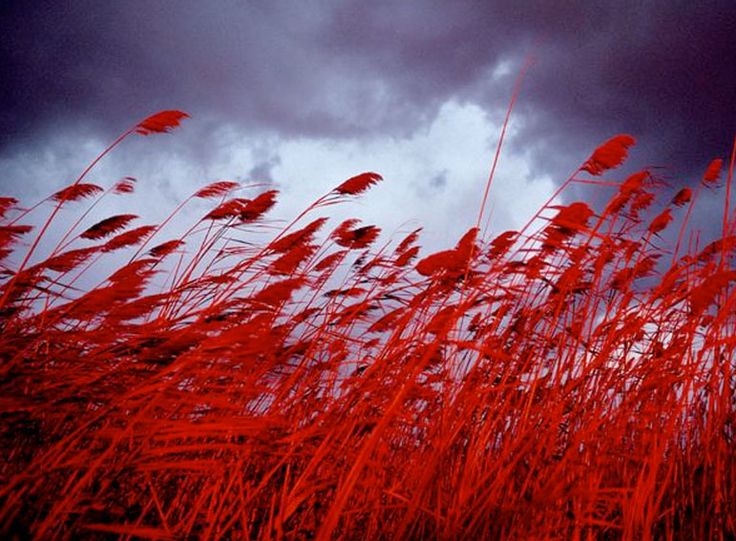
[(69, 260), (129, 238), (660, 222), (108, 226), (713, 172), (229, 209), (610, 154), (683, 197), (165, 248), (217, 189), (297, 238), (502, 244), (6, 203), (278, 292), (76, 192), (161, 122), (290, 261), (358, 184), (565, 381), (124, 185), (355, 238), (406, 257), (252, 210)]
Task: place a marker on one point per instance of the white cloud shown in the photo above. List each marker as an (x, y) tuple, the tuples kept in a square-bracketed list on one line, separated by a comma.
[(456, 148), (433, 178)]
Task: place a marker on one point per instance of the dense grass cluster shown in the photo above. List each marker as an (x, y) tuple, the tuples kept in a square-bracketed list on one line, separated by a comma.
[(571, 380)]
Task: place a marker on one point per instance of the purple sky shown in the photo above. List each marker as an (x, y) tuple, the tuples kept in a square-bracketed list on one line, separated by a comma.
[(302, 94)]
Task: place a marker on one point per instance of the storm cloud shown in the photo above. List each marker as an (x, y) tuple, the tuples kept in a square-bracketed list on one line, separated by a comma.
[(346, 72)]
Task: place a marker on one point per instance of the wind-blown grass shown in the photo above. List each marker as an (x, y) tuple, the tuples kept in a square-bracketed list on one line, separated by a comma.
[(572, 380)]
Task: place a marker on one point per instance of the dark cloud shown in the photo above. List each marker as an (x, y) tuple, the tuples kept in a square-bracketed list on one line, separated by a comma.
[(262, 171), (439, 181), (660, 70)]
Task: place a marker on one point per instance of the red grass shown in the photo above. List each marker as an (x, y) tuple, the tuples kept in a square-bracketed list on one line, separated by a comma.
[(560, 382), (358, 184), (161, 122)]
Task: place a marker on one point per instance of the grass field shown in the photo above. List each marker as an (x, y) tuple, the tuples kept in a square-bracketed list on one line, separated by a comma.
[(571, 380)]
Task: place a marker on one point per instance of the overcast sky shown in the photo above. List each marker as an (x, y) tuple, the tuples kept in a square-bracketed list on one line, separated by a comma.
[(304, 94)]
